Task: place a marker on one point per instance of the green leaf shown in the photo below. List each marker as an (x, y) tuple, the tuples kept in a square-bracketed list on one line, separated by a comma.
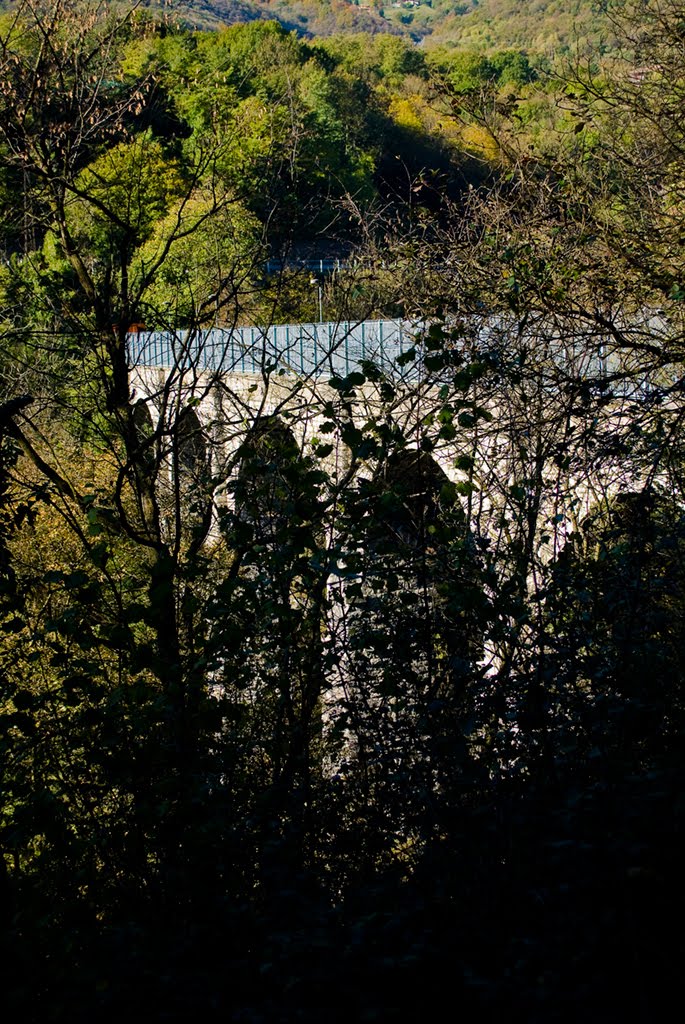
[(406, 357)]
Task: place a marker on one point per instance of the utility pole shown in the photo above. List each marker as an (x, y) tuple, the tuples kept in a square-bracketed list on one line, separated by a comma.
[(317, 281)]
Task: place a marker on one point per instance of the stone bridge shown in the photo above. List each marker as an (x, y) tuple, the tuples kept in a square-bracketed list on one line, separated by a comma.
[(204, 391), (511, 459), (219, 383)]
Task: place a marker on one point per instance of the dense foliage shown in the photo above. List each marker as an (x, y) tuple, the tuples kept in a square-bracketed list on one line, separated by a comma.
[(352, 719)]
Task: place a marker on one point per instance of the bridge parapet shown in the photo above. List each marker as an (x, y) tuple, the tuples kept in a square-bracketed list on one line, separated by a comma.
[(307, 350)]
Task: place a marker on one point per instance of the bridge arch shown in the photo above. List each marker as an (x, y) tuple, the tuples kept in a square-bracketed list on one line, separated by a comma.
[(191, 450), (271, 489), (142, 419), (414, 493), (415, 569)]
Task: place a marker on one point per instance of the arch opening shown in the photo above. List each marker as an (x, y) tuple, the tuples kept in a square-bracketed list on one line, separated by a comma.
[(191, 445), (272, 492)]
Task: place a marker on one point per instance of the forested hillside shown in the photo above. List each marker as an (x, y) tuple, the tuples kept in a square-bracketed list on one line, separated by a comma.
[(543, 26), (305, 139), (360, 695)]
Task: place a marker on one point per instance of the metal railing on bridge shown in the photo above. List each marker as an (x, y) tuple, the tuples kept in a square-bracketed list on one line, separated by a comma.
[(320, 350), (308, 350)]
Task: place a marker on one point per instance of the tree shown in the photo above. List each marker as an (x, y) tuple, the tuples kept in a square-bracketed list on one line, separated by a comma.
[(208, 274), (114, 621)]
